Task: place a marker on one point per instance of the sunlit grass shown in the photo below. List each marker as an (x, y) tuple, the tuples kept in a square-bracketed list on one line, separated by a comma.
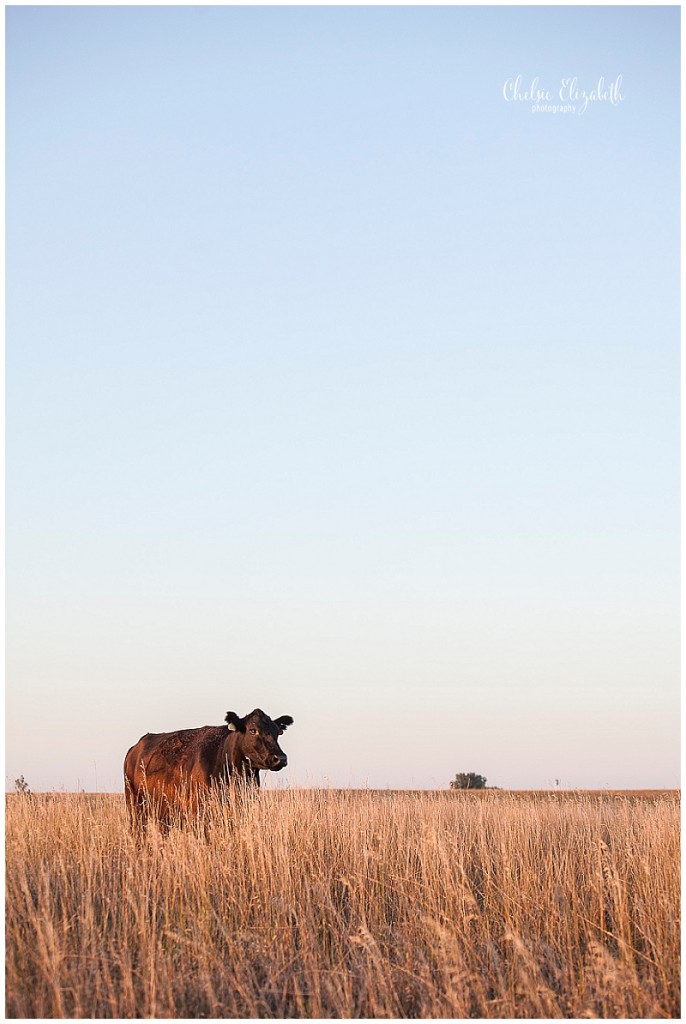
[(347, 904)]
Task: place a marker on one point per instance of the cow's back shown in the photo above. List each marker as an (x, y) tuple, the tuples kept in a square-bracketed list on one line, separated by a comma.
[(166, 768)]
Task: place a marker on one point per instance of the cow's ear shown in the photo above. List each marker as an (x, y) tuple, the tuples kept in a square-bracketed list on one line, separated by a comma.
[(283, 722), (234, 723)]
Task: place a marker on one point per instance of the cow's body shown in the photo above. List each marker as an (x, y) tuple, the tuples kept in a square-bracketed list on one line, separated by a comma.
[(167, 773)]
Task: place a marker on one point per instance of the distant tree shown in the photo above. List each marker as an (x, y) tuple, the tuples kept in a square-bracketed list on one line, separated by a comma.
[(468, 780), (22, 786)]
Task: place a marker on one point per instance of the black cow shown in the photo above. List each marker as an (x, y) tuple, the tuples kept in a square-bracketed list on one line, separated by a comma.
[(169, 772)]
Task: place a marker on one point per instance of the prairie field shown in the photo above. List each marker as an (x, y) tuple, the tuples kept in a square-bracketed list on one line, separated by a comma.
[(347, 904)]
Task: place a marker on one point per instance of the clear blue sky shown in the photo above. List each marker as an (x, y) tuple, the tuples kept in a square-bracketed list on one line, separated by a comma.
[(339, 386)]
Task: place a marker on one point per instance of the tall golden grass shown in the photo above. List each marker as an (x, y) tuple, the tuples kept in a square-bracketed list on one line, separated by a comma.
[(346, 904)]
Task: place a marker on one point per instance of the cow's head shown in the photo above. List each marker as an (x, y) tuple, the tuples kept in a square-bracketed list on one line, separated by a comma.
[(258, 736)]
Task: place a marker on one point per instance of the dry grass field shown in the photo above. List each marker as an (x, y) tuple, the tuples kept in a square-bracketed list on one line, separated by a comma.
[(347, 904)]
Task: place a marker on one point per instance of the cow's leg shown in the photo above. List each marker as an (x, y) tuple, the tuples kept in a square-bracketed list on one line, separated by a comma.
[(202, 812), (142, 814), (130, 802), (161, 811), (137, 811)]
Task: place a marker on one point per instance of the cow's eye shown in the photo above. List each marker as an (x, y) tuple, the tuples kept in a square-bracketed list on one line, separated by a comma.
[(254, 732)]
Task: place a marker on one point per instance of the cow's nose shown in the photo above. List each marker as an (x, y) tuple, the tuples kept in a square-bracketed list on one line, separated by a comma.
[(279, 761)]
